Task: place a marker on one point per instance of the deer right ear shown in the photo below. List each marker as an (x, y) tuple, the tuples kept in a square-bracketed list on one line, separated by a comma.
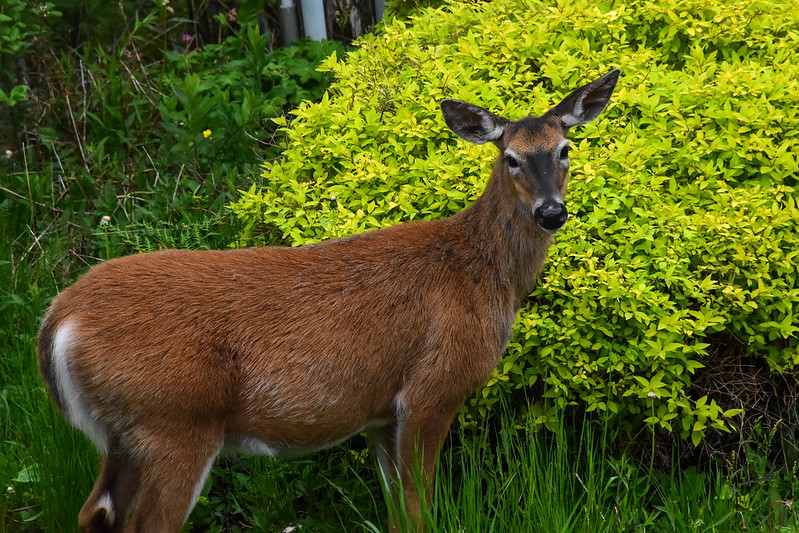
[(586, 103), (472, 123)]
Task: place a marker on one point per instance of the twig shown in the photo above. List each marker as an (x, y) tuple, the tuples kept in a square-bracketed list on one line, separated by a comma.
[(85, 94), (18, 195), (61, 166), (77, 135), (28, 179), (157, 174), (37, 238), (9, 191), (18, 509), (177, 182)]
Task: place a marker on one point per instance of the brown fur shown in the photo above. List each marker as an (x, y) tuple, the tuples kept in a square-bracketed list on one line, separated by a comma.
[(180, 352)]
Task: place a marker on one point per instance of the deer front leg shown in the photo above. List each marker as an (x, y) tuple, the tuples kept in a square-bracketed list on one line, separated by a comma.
[(420, 438)]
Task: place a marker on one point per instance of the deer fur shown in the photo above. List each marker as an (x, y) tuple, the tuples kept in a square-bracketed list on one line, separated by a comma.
[(165, 359)]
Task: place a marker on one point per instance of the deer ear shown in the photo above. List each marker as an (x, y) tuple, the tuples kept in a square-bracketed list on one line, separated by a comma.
[(472, 123), (586, 103)]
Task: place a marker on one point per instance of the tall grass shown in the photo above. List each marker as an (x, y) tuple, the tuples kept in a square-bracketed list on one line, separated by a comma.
[(520, 479), (45, 467), (576, 479)]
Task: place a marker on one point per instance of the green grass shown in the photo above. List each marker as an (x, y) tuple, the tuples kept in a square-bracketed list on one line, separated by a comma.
[(575, 479), (45, 467)]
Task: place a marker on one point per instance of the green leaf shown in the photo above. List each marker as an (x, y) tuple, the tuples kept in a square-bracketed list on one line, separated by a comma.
[(29, 474)]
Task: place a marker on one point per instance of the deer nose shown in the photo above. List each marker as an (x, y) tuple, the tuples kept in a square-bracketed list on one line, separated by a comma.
[(551, 216)]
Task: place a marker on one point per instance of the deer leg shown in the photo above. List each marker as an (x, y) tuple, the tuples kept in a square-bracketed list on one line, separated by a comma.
[(383, 441), (109, 503), (173, 472), (420, 440), (384, 446)]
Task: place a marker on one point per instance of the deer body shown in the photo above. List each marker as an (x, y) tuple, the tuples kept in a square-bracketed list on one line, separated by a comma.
[(164, 359)]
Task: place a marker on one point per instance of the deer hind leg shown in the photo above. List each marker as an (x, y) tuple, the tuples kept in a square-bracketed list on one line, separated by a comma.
[(173, 470), (109, 503), (383, 440)]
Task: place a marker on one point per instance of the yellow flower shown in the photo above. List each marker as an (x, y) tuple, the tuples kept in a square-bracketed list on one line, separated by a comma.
[(207, 133)]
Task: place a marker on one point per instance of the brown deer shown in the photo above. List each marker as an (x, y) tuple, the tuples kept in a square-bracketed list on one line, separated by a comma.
[(165, 359)]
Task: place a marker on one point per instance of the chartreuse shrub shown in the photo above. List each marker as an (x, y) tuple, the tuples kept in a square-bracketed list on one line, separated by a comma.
[(683, 232)]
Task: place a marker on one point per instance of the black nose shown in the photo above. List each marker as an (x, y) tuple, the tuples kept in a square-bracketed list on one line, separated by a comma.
[(551, 216)]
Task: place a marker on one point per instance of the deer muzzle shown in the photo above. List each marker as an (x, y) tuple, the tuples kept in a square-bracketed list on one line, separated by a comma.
[(551, 216)]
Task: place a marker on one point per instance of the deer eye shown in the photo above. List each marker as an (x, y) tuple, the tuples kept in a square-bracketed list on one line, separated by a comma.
[(512, 162), (564, 152)]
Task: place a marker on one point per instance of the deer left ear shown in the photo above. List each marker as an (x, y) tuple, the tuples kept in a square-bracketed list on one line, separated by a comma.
[(587, 103), (473, 123)]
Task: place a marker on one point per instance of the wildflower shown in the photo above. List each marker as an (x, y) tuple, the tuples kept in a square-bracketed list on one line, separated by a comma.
[(231, 15), (106, 220), (206, 133), (187, 37), (10, 491), (127, 54), (652, 394)]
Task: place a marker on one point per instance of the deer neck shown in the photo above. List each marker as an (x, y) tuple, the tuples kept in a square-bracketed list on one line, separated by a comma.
[(504, 236)]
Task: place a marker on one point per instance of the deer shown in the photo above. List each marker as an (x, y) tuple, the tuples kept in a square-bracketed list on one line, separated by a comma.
[(167, 359)]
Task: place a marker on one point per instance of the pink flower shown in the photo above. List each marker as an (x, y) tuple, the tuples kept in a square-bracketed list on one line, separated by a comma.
[(187, 37)]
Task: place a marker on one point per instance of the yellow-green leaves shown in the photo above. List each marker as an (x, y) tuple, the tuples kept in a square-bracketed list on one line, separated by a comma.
[(683, 231)]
